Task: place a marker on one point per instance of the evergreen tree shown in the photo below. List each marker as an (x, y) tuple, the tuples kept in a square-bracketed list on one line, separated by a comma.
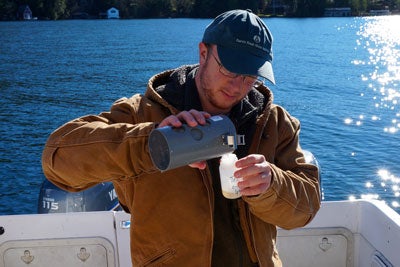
[(8, 9)]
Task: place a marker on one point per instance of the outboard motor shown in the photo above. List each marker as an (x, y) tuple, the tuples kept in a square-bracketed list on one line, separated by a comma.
[(310, 158), (97, 198)]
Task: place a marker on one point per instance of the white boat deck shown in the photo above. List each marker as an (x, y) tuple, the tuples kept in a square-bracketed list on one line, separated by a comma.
[(344, 233)]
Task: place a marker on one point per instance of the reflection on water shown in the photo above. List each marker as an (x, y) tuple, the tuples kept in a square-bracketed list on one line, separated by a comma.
[(390, 183), (380, 36), (387, 184)]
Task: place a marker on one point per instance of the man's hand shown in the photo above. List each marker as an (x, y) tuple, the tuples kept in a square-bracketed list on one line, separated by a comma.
[(255, 172), (192, 118)]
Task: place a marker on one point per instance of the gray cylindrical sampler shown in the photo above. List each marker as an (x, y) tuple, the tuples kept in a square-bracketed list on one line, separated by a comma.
[(172, 147)]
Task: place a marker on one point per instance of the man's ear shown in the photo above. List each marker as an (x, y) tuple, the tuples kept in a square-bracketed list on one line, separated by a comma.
[(203, 52)]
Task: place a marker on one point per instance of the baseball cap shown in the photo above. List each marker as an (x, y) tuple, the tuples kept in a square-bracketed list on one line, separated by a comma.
[(244, 43)]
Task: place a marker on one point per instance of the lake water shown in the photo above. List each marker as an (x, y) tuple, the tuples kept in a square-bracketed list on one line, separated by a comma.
[(339, 76)]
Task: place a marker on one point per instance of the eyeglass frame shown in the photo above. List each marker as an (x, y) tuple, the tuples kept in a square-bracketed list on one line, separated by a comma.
[(256, 83)]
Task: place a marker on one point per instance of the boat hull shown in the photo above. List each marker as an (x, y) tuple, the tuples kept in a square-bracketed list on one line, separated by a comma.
[(344, 233)]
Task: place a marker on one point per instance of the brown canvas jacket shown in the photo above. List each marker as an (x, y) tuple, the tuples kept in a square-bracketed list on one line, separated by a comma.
[(172, 211)]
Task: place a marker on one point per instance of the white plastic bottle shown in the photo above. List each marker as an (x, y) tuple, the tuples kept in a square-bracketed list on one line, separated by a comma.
[(228, 181)]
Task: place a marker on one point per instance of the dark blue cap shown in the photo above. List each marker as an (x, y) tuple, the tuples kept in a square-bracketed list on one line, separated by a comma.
[(244, 43)]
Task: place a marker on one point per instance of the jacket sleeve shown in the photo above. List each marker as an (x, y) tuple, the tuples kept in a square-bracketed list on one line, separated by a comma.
[(293, 198), (93, 149)]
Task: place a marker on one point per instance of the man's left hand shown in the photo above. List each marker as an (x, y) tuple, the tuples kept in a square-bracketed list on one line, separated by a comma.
[(255, 174)]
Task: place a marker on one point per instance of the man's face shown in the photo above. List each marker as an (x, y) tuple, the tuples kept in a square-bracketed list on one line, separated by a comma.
[(219, 89)]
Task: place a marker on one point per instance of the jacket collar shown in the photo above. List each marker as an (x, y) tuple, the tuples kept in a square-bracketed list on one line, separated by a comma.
[(176, 90)]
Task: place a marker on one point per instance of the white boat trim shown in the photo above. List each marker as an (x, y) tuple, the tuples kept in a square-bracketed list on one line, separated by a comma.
[(344, 233)]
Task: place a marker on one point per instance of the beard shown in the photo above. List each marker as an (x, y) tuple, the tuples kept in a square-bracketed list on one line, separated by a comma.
[(212, 96)]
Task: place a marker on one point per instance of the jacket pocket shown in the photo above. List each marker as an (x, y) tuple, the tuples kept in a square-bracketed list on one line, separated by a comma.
[(159, 259)]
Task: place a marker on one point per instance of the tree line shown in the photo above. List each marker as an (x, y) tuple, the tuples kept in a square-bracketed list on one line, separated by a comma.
[(66, 9)]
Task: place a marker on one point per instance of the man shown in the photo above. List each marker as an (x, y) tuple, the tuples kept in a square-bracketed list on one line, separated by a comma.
[(179, 217)]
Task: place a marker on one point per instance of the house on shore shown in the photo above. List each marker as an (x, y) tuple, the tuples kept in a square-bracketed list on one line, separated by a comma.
[(379, 12), (337, 12), (113, 13), (24, 13)]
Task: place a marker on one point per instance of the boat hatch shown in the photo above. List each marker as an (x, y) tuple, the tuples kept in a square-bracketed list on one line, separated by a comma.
[(316, 247), (93, 252)]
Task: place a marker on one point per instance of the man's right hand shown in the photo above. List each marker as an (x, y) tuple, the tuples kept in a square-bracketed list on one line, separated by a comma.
[(192, 118)]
